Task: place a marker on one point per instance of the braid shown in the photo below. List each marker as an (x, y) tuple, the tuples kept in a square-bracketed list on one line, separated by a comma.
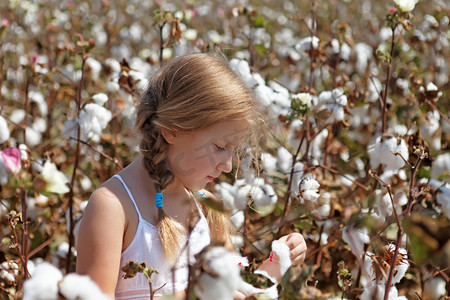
[(154, 150)]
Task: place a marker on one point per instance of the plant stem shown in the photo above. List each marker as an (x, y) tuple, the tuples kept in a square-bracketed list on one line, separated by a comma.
[(386, 87), (23, 198), (393, 263), (288, 193), (161, 43), (74, 173)]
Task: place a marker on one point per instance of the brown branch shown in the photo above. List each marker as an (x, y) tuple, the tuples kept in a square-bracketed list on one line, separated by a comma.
[(353, 180), (74, 173), (386, 88), (113, 159)]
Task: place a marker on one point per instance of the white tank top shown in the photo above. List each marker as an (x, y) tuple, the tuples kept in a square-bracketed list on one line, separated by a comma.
[(146, 247)]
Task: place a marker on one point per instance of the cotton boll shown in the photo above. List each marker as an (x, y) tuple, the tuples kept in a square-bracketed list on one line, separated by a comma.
[(305, 44), (383, 153), (363, 54), (241, 197), (34, 137), (443, 199), (264, 94), (327, 227), (9, 270), (238, 218), (269, 162), (242, 68), (93, 119), (297, 178), (406, 5), (4, 130), (85, 183), (334, 101), (100, 98), (375, 88), (434, 288), (222, 277), (383, 205), (17, 116), (347, 180), (316, 144), (284, 160), (44, 283), (294, 140), (402, 267), (441, 167), (429, 127), (95, 66), (355, 238), (226, 191), (56, 180), (264, 195), (75, 287), (38, 98), (309, 189), (40, 125), (3, 173), (359, 115), (113, 64), (376, 291)]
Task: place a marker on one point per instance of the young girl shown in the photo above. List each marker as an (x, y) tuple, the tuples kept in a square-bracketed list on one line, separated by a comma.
[(194, 114)]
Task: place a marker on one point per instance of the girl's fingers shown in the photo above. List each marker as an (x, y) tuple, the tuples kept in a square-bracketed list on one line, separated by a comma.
[(297, 246)]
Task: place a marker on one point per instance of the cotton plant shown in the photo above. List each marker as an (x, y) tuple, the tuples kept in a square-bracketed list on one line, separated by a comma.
[(429, 129), (309, 188), (383, 153), (442, 192), (335, 102), (92, 119), (375, 288), (56, 181), (355, 237), (4, 130), (406, 5), (434, 288), (238, 195), (306, 44), (47, 282), (9, 271), (441, 167), (217, 275)]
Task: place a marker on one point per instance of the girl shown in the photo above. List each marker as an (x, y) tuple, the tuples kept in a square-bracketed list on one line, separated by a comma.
[(194, 114)]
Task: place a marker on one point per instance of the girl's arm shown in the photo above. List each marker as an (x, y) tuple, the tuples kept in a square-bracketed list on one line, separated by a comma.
[(100, 238)]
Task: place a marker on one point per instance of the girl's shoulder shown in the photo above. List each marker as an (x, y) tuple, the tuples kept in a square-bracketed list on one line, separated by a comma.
[(108, 198)]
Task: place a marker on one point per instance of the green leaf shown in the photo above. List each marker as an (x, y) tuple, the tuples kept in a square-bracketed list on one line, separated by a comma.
[(303, 224), (261, 49), (258, 22)]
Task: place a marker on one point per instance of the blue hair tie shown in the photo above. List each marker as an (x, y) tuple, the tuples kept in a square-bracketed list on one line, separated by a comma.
[(159, 200), (202, 194)]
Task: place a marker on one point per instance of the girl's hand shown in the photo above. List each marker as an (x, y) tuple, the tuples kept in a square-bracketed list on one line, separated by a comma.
[(297, 247), (297, 252)]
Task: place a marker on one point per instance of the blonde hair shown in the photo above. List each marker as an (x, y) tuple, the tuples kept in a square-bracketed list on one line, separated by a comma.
[(187, 94)]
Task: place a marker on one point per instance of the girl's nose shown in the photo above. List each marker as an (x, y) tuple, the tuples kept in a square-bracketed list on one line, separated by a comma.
[(226, 164)]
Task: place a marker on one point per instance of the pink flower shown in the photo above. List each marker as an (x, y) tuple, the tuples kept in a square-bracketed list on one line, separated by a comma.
[(5, 23), (33, 59), (11, 159), (392, 10)]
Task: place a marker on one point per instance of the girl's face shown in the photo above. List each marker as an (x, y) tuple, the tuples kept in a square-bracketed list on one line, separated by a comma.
[(199, 157)]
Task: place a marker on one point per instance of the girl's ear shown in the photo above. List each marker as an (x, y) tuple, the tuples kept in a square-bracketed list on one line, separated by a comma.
[(169, 136)]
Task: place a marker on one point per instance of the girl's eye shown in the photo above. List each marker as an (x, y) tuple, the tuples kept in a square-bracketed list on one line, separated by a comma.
[(220, 148)]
